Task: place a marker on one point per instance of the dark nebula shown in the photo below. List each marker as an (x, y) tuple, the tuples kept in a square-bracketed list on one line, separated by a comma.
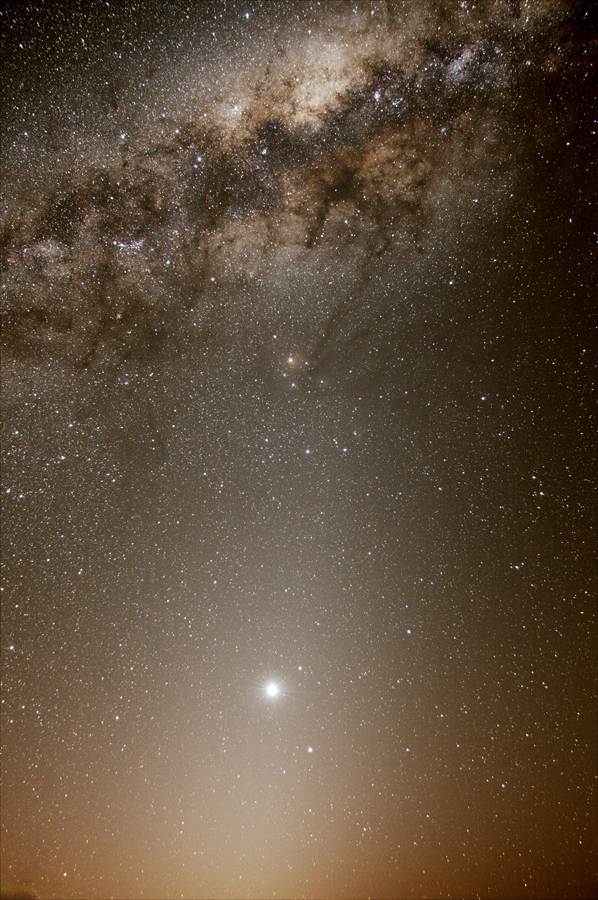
[(297, 303)]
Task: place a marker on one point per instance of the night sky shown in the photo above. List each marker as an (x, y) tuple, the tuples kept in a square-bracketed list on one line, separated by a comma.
[(297, 535)]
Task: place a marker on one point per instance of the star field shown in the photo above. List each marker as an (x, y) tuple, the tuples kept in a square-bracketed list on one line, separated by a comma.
[(298, 450)]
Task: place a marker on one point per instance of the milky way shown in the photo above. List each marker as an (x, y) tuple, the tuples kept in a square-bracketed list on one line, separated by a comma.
[(108, 263), (297, 445)]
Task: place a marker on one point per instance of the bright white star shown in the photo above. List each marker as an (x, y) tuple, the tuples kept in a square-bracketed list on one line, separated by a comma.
[(272, 690)]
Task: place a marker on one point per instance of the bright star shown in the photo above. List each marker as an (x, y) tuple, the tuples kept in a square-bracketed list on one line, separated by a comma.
[(272, 690)]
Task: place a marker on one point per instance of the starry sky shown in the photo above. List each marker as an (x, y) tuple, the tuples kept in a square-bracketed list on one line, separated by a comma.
[(297, 449)]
